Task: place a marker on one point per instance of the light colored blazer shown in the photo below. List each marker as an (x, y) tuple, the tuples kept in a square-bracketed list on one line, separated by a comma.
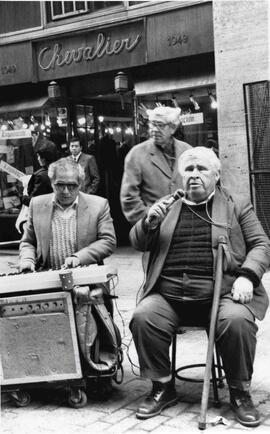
[(147, 177), (95, 231), (248, 244), (92, 178)]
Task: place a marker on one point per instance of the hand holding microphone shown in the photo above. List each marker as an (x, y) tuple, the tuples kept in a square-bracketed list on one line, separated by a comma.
[(159, 210)]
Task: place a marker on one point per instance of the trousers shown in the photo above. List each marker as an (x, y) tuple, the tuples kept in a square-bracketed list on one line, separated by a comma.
[(155, 321)]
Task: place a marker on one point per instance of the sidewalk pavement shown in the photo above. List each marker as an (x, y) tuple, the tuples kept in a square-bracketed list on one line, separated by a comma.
[(116, 415)]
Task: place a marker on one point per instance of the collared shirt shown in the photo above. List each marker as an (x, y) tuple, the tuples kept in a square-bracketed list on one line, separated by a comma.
[(66, 210), (76, 157), (189, 202), (63, 241)]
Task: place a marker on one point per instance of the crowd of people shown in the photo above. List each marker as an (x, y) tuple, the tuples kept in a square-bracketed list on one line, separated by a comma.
[(69, 225)]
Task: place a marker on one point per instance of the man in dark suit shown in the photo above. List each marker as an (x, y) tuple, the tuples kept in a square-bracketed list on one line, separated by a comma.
[(182, 240), (88, 163)]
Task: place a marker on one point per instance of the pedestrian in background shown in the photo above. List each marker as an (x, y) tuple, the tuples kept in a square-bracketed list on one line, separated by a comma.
[(39, 141), (39, 183), (150, 170), (88, 163)]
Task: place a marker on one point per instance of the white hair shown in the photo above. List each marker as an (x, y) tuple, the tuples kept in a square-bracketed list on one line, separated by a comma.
[(167, 115), (202, 153), (65, 165)]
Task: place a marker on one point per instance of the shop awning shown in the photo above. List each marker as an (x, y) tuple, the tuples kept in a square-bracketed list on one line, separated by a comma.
[(163, 84), (24, 105)]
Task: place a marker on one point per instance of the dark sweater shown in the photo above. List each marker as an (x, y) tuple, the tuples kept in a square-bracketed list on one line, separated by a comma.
[(190, 252)]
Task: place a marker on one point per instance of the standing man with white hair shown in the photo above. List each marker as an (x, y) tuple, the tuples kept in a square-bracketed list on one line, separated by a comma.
[(150, 170), (182, 240)]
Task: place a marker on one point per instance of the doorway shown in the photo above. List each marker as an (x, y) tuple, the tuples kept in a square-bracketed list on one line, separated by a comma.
[(106, 130)]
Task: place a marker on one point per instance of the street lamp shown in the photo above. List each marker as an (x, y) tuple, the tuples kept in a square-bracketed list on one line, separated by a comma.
[(54, 90), (121, 86)]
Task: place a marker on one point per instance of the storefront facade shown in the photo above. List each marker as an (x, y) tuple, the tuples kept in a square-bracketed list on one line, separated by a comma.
[(186, 53), (167, 55)]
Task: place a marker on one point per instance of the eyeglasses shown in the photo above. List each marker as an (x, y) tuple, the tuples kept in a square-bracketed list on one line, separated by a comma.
[(158, 125), (70, 187)]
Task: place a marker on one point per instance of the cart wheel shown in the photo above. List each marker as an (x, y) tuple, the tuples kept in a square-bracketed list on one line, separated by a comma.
[(78, 401), (21, 399)]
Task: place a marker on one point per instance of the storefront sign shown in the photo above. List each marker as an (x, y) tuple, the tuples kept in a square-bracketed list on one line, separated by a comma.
[(179, 33), (11, 170), (192, 119), (57, 56), (14, 134), (15, 63), (111, 48)]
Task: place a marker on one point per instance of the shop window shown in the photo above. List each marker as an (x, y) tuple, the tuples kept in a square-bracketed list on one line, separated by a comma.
[(63, 9), (18, 143), (85, 128), (257, 110), (198, 115)]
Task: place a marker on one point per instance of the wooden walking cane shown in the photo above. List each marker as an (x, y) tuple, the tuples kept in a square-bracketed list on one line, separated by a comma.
[(212, 331)]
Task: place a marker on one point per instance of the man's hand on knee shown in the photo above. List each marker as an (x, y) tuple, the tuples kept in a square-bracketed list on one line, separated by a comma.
[(242, 290)]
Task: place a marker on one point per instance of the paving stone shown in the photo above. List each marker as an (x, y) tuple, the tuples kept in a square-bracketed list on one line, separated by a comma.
[(152, 423), (97, 427), (185, 419), (165, 429), (122, 426), (116, 416), (176, 409)]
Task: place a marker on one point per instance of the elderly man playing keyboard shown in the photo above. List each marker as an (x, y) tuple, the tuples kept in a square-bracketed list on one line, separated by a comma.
[(66, 228)]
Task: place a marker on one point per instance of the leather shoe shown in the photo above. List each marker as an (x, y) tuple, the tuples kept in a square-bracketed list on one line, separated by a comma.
[(162, 395), (243, 408)]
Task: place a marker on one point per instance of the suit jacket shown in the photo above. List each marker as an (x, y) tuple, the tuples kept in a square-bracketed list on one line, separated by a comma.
[(248, 245), (91, 181), (95, 232), (147, 177)]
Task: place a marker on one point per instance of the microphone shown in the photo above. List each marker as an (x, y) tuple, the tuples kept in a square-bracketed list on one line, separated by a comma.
[(175, 196), (169, 202)]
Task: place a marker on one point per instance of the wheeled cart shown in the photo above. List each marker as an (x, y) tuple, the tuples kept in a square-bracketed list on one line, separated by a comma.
[(39, 340)]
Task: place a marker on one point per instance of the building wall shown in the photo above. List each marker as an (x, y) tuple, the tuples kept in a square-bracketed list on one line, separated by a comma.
[(241, 56)]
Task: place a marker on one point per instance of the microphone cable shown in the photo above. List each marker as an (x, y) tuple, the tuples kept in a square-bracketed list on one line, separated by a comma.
[(210, 221)]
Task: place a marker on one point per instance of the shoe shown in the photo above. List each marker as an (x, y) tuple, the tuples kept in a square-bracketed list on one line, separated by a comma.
[(243, 408), (162, 395)]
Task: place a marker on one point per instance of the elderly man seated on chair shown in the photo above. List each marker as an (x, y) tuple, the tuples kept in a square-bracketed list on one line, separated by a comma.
[(66, 228), (182, 237)]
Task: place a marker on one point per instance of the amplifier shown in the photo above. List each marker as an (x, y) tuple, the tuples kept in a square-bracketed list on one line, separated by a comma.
[(38, 339)]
